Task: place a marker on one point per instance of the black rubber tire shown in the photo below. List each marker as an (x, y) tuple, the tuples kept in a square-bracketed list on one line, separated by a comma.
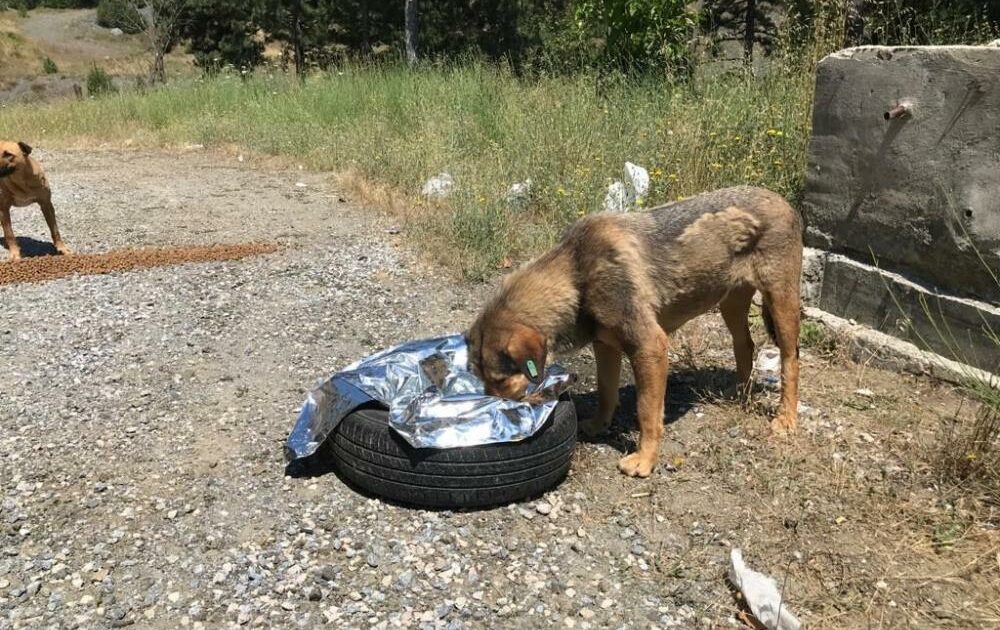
[(373, 457)]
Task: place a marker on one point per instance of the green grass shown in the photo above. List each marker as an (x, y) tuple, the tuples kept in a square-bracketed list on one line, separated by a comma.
[(395, 128)]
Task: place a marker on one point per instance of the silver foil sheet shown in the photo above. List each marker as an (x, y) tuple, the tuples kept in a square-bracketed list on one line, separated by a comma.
[(434, 401)]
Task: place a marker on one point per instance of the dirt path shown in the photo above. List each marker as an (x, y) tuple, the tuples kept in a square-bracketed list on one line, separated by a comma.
[(142, 418), (75, 33)]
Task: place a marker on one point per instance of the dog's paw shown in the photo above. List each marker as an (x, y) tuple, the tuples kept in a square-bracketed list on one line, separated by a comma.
[(14, 255), (594, 426), (637, 465), (784, 424), (63, 249)]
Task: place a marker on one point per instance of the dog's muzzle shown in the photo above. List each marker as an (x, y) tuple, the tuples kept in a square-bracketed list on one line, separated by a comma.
[(6, 170)]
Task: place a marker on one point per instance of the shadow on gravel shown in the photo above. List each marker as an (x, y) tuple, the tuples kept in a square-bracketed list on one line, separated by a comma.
[(32, 247), (686, 388)]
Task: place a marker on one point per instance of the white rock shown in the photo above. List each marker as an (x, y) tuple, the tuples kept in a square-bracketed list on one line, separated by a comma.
[(519, 194), (439, 186)]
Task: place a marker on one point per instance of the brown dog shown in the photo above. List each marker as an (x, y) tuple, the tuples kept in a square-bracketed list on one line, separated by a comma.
[(22, 183), (625, 282)]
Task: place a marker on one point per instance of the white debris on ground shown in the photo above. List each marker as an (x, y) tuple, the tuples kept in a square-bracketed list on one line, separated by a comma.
[(623, 196), (439, 186), (519, 194), (638, 178), (767, 367), (618, 198), (761, 594)]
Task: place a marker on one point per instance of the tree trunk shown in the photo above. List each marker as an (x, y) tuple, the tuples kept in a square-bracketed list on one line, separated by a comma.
[(297, 45), (411, 32), (749, 26), (158, 73)]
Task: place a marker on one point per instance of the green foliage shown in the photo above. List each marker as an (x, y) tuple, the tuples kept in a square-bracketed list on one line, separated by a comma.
[(923, 22), (636, 35), (49, 66), (221, 33), (99, 82), (120, 14), (731, 20)]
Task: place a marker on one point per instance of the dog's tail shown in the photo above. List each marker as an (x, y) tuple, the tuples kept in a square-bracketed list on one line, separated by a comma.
[(769, 325), (768, 322)]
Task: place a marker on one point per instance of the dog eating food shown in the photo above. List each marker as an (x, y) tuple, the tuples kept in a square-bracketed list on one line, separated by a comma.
[(22, 183), (626, 282)]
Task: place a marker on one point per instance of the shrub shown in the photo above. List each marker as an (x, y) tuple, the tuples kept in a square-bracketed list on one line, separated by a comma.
[(120, 14), (99, 82), (49, 66)]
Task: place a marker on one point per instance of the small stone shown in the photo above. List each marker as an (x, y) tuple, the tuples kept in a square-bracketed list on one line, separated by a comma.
[(638, 550), (373, 560), (526, 513), (587, 613), (314, 594), (328, 573), (543, 507), (289, 606), (174, 597), (627, 533), (197, 613), (607, 603)]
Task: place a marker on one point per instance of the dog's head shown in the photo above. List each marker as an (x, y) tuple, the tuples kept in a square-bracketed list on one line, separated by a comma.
[(13, 156), (505, 354)]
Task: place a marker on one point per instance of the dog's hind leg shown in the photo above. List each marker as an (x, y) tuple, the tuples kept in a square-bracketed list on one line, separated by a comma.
[(649, 364), (609, 369), (50, 218), (8, 234), (735, 307), (783, 304)]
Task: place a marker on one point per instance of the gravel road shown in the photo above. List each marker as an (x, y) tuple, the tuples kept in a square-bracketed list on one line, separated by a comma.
[(143, 414)]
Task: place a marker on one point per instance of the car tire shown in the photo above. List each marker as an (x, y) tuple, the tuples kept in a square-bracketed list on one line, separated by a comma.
[(370, 455)]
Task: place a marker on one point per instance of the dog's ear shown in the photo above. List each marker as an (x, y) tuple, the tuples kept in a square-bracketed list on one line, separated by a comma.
[(25, 148), (528, 348)]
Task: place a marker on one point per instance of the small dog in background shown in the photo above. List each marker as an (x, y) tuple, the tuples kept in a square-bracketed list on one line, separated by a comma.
[(22, 183), (625, 282)]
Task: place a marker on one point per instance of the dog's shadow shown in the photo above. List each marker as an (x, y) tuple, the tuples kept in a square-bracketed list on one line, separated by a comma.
[(685, 390), (32, 247)]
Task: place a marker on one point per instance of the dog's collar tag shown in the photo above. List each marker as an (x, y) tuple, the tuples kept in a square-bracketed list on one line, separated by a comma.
[(532, 368)]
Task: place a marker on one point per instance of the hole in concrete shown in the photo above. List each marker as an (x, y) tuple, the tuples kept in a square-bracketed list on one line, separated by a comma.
[(968, 213), (44, 268)]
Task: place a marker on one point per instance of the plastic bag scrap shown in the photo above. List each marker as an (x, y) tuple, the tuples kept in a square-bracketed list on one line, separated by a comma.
[(767, 367), (761, 594), (623, 196), (434, 401)]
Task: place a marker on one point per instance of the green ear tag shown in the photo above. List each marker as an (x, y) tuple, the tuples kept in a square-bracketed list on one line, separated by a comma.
[(532, 370)]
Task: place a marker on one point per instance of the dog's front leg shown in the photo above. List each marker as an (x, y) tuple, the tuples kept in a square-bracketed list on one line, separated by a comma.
[(649, 364), (50, 219), (8, 234)]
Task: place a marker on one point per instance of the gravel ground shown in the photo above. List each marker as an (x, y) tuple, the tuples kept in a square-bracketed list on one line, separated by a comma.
[(142, 418)]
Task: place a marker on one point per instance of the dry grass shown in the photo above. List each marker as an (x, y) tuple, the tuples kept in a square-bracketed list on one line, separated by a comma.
[(851, 514)]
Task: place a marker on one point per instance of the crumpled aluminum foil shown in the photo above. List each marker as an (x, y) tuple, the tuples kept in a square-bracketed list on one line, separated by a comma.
[(434, 401)]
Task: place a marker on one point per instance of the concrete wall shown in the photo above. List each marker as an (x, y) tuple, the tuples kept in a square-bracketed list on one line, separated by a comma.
[(919, 193)]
